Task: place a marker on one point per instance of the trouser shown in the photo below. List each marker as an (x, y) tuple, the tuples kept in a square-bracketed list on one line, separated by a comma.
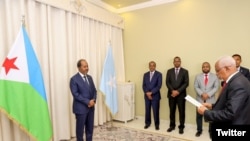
[(85, 122), (180, 102), (155, 104), (199, 120)]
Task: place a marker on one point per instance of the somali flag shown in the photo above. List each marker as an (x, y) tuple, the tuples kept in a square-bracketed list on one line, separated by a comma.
[(108, 83), (22, 92)]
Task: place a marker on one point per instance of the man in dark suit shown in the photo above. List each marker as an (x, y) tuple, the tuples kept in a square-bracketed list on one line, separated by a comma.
[(243, 70), (84, 97), (177, 81), (152, 81), (233, 104)]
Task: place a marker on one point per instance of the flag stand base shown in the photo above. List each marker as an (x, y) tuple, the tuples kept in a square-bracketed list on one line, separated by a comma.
[(111, 128)]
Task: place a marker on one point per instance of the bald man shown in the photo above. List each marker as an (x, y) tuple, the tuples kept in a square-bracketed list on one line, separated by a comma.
[(206, 85), (233, 104), (151, 85)]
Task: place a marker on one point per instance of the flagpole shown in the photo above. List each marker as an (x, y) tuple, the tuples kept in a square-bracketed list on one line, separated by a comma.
[(23, 20), (108, 85), (111, 128)]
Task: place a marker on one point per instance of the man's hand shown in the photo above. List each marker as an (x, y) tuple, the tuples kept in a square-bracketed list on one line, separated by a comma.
[(201, 110), (91, 103), (204, 96), (207, 105), (149, 95), (175, 93)]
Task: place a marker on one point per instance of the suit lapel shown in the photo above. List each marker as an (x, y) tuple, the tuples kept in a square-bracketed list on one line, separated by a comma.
[(80, 79)]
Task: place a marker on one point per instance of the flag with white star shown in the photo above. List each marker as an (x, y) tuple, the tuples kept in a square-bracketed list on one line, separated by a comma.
[(108, 83)]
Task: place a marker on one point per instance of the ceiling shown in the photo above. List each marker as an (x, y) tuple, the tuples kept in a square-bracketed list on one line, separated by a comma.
[(123, 3), (121, 6)]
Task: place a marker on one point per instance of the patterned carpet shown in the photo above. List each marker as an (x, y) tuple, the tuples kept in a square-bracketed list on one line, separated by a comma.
[(118, 133)]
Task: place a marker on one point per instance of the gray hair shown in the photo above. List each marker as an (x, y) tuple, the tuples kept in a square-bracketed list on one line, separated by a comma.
[(226, 61)]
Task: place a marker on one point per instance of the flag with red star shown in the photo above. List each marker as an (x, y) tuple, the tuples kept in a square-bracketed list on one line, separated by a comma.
[(22, 92)]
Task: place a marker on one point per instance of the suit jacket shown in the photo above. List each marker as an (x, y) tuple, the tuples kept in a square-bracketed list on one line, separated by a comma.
[(180, 84), (82, 93), (245, 72), (233, 104), (153, 86), (211, 88)]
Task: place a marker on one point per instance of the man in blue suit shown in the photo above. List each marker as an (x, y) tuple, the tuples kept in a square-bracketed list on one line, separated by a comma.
[(152, 81), (84, 98)]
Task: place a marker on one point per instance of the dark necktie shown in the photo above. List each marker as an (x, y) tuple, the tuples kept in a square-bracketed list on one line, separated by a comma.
[(86, 79), (176, 73), (223, 87)]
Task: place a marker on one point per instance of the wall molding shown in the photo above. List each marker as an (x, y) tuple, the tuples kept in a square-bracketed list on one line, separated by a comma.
[(88, 10)]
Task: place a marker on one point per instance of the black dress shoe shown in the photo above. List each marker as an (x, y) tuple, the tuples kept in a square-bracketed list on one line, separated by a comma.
[(170, 129), (198, 133), (181, 131), (157, 128), (146, 126)]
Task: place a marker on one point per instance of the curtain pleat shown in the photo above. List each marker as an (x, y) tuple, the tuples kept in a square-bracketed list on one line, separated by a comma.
[(59, 38)]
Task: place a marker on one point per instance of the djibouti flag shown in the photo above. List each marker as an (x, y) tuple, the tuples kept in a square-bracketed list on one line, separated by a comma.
[(22, 91)]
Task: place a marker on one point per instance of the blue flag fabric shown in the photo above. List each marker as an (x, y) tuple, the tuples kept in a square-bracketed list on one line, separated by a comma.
[(108, 83), (22, 91)]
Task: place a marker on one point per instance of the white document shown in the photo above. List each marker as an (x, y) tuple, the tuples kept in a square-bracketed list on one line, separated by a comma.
[(193, 101)]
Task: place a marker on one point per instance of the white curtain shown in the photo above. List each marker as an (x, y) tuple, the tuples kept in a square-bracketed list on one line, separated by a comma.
[(59, 38)]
